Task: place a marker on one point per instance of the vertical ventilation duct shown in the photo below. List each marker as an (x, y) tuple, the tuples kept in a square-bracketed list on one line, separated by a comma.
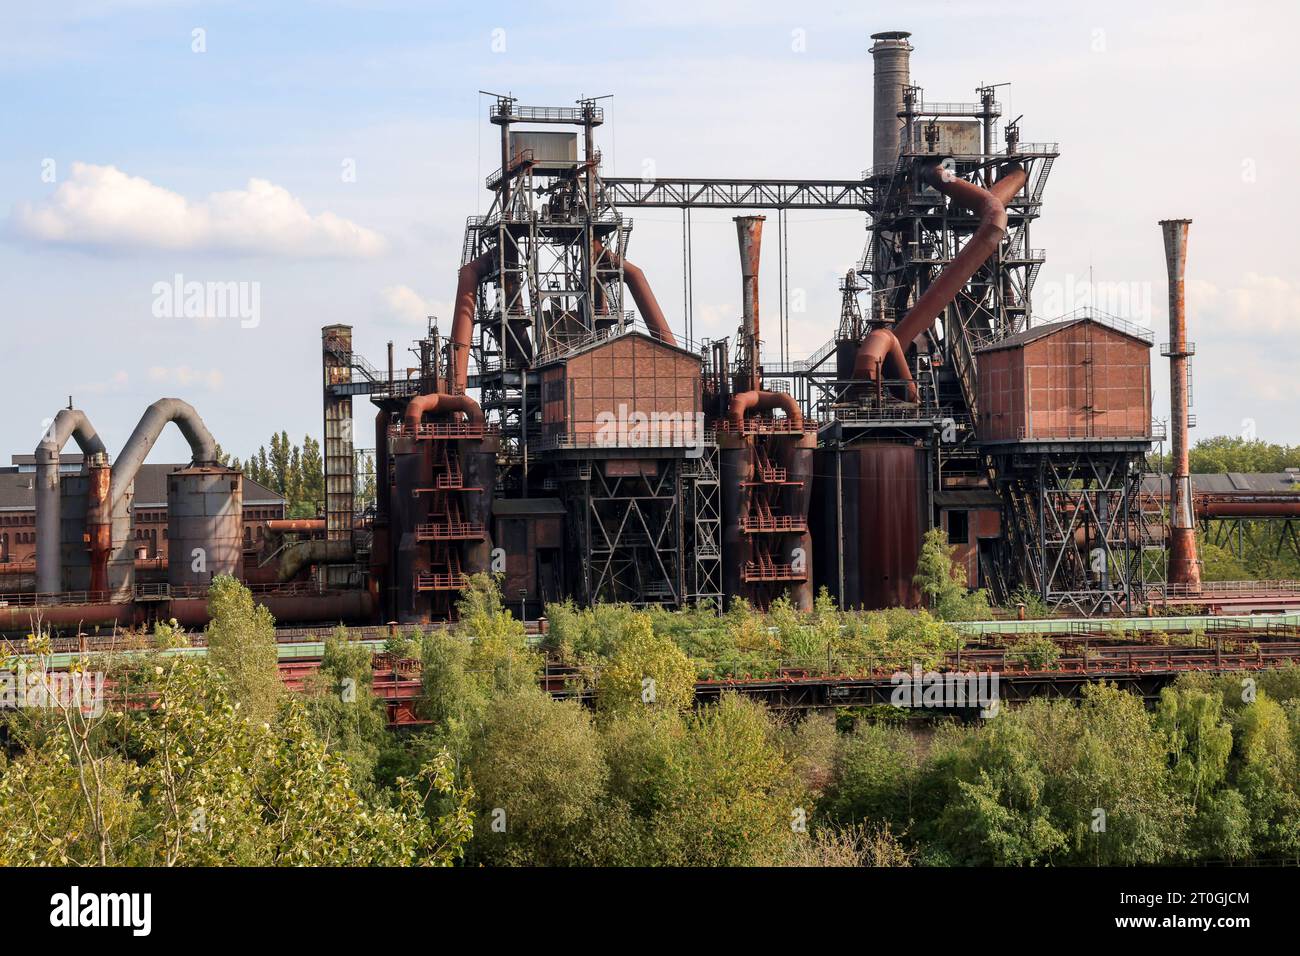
[(1184, 567), (750, 397), (68, 423)]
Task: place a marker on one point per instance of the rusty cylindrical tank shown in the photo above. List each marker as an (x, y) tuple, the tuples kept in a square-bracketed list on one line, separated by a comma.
[(480, 458), (886, 481), (736, 469), (798, 453)]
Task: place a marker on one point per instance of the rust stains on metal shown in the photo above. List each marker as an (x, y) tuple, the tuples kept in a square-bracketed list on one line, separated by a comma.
[(886, 345), (1184, 568)]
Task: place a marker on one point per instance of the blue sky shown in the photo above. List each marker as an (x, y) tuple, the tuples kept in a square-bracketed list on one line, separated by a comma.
[(230, 168)]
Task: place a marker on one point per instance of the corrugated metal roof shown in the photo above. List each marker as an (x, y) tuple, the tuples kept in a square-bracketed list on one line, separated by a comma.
[(1233, 482), (1051, 328), (608, 339), (17, 489)]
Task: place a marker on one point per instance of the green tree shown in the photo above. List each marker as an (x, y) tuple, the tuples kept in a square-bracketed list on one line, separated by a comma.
[(1264, 769), (734, 798), (341, 708), (943, 584), (645, 670), (193, 782), (1198, 738), (241, 644), (500, 658), (875, 777), (539, 775)]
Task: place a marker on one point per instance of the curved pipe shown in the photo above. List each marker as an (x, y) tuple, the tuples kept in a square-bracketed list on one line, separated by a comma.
[(469, 278), (420, 405), (68, 423), (743, 403), (642, 295), (154, 420), (886, 345), (304, 553)]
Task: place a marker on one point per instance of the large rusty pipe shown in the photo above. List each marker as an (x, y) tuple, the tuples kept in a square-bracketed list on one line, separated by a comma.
[(302, 554), (441, 402), (642, 294), (1219, 508), (99, 522), (759, 401), (1184, 568), (25, 618), (471, 275), (296, 525), (749, 236), (68, 423), (886, 345)]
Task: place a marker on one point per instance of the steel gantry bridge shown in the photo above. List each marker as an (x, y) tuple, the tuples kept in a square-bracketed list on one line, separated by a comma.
[(687, 193)]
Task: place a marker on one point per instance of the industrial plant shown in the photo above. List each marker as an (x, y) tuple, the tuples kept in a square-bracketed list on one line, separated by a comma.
[(567, 433)]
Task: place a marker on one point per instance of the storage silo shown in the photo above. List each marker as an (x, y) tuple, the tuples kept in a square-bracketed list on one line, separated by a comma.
[(205, 520)]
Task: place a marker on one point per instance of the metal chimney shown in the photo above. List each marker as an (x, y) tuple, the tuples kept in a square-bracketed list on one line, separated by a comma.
[(749, 233), (1184, 568), (892, 55)]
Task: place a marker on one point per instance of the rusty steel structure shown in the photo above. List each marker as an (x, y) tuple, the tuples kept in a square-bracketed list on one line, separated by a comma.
[(568, 433)]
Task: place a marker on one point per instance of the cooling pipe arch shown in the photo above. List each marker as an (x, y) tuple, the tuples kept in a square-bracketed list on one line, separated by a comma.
[(68, 423), (156, 417)]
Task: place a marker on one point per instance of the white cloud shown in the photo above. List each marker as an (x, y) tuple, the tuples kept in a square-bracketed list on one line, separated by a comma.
[(408, 306), (116, 382), (103, 207), (185, 376), (1259, 305)]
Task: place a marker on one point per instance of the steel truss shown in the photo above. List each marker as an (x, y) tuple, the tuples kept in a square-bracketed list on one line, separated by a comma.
[(684, 193), (1274, 534), (1076, 527), (703, 527), (631, 528), (546, 291)]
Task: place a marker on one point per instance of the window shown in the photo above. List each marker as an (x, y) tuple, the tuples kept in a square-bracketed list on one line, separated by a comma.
[(958, 527)]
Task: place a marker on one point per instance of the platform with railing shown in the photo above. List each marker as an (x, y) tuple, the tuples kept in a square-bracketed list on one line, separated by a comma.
[(766, 425), (443, 430), (431, 581), (450, 531)]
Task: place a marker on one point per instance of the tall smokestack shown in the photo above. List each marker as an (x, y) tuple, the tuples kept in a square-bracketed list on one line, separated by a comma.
[(892, 55), (749, 232), (1184, 568)]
